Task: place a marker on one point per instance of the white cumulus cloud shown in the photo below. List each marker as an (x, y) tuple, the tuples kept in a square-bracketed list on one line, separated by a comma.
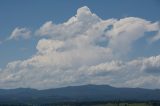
[(85, 49)]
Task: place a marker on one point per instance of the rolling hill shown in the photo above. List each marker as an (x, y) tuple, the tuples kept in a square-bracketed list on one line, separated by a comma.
[(83, 93)]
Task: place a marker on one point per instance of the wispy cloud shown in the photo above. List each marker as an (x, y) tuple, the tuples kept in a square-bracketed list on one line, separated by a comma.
[(18, 33)]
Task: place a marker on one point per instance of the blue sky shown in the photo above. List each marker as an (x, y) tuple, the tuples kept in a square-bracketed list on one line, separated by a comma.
[(33, 14), (36, 16)]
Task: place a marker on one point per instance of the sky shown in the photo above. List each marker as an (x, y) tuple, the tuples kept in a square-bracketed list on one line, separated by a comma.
[(56, 43)]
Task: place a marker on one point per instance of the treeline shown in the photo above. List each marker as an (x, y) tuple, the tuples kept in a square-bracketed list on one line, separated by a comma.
[(102, 103)]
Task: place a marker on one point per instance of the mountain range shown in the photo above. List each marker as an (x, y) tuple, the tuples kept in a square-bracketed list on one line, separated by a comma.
[(83, 93)]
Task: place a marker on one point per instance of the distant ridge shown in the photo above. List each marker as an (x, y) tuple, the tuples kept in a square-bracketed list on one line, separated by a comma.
[(81, 93)]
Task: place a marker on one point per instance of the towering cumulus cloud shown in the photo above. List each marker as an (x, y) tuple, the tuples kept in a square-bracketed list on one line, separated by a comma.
[(86, 50)]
